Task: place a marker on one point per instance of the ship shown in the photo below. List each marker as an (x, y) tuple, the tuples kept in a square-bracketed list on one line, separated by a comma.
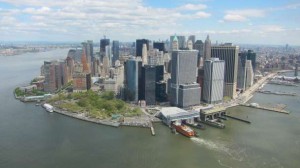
[(184, 130), (48, 107)]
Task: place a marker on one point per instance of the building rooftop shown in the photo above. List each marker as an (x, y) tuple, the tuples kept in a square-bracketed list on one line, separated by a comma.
[(169, 111)]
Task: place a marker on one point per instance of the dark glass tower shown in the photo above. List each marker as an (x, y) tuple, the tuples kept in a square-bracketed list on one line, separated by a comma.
[(139, 46), (115, 51)]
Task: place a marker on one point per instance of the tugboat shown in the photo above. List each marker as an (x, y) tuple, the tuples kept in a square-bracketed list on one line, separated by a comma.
[(184, 130)]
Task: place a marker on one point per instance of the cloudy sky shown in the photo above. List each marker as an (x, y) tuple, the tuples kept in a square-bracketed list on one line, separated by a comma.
[(237, 21)]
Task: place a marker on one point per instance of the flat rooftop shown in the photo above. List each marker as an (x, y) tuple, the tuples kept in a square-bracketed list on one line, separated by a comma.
[(170, 111)]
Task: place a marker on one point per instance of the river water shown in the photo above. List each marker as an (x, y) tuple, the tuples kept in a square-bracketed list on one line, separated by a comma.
[(30, 137)]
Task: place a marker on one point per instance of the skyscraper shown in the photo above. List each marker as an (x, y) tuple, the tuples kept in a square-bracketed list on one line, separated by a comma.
[(84, 63), (148, 84), (190, 44), (132, 78), (103, 43), (241, 76), (145, 54), (184, 91), (115, 51), (56, 75), (213, 80), (139, 46), (249, 74), (229, 54), (199, 45), (174, 43), (160, 46), (207, 48), (192, 38)]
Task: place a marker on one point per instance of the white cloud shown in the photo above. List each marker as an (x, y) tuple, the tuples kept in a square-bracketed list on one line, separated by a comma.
[(243, 15), (202, 15), (271, 28), (234, 18), (193, 7)]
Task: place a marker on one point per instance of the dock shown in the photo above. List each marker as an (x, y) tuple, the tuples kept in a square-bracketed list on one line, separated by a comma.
[(239, 119), (276, 93), (152, 129), (272, 109)]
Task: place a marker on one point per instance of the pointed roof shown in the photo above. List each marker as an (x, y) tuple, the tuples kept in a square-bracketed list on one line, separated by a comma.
[(175, 38)]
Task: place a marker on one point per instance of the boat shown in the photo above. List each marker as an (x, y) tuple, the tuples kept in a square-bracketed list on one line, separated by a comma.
[(184, 130), (48, 107)]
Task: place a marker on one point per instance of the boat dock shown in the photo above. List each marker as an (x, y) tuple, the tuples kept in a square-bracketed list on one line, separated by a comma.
[(272, 109), (152, 129)]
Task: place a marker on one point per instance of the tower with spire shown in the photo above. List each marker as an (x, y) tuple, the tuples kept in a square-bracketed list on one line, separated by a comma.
[(175, 44)]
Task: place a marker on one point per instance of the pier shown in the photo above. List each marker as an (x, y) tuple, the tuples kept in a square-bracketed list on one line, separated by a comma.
[(272, 109), (239, 119), (276, 93)]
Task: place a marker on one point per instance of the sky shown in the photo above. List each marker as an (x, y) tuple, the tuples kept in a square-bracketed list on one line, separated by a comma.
[(237, 21)]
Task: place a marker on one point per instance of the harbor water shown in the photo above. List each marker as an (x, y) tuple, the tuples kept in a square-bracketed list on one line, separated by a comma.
[(30, 137)]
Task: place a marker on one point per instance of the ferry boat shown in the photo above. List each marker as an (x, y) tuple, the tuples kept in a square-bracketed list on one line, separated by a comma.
[(184, 130), (48, 107)]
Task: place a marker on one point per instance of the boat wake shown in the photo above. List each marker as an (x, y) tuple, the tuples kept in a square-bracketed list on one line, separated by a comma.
[(210, 144), (234, 152)]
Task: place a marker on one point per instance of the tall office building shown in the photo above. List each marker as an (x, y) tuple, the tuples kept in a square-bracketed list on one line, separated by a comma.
[(145, 54), (139, 46), (249, 74), (160, 46), (184, 91), (115, 51), (84, 63), (56, 75), (207, 48), (174, 43), (181, 42), (192, 38), (249, 55), (132, 78), (241, 76), (229, 54), (190, 44), (199, 45), (103, 43), (213, 80), (148, 84)]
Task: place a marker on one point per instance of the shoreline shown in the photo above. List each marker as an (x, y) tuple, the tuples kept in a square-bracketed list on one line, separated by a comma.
[(84, 118)]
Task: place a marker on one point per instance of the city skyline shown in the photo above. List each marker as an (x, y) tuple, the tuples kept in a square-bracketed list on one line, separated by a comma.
[(247, 22)]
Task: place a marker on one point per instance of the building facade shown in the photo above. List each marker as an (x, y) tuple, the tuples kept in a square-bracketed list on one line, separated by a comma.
[(213, 80), (229, 54), (183, 78)]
